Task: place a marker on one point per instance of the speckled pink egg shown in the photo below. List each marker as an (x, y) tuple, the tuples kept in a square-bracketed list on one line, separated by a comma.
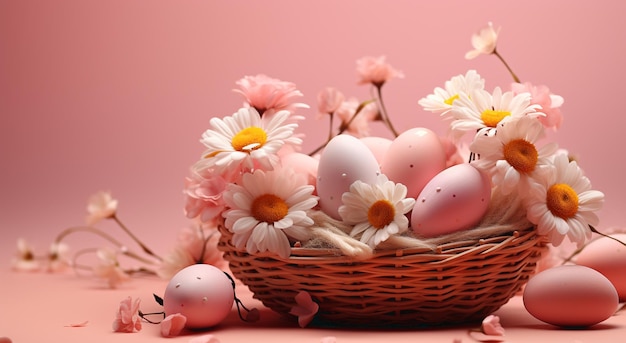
[(570, 296), (413, 158), (609, 258), (302, 164), (202, 293), (455, 199), (344, 160)]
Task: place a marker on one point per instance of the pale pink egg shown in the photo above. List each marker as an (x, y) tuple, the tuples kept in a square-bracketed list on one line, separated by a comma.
[(455, 199), (344, 160), (570, 296), (609, 258), (413, 158), (202, 293), (378, 146)]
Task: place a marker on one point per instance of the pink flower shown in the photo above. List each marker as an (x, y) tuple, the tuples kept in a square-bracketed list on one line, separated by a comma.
[(550, 103), (329, 100), (172, 325), (194, 246), (203, 191), (375, 70), (204, 339), (305, 308), (25, 259), (484, 42), (268, 94), (359, 127), (100, 206), (491, 326), (109, 268), (127, 317)]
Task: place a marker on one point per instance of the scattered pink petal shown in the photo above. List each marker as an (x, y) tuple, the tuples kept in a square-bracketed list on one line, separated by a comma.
[(5, 340), (329, 339), (205, 339), (491, 326), (127, 317), (481, 337), (77, 325), (173, 324), (457, 340), (305, 308)]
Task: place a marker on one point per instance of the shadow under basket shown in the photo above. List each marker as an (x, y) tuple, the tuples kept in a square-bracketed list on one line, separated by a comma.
[(460, 283)]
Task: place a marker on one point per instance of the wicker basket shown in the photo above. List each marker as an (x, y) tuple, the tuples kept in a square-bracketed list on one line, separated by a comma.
[(461, 282)]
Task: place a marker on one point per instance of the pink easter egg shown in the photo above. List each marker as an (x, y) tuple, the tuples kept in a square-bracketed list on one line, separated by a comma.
[(570, 296), (378, 146), (200, 292), (455, 199), (609, 258), (413, 158)]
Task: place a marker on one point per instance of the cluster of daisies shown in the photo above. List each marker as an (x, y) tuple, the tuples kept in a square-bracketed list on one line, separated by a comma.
[(242, 177)]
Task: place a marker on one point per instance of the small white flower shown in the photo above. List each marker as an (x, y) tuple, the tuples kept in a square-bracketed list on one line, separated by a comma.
[(482, 110), (377, 211), (484, 42), (25, 259), (246, 140), (267, 208), (442, 98), (563, 203), (511, 156), (100, 206)]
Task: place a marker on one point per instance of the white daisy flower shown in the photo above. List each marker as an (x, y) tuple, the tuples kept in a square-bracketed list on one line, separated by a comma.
[(563, 203), (482, 110), (511, 156), (442, 98), (377, 211), (267, 208), (247, 141)]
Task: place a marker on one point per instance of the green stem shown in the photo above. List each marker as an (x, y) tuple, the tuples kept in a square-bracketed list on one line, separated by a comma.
[(495, 52)]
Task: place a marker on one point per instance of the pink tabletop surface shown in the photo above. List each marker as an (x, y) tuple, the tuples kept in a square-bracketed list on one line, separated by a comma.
[(38, 308)]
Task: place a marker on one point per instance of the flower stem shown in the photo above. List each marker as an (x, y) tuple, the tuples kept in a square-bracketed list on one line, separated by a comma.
[(515, 78), (343, 127), (383, 110), (104, 235), (134, 238)]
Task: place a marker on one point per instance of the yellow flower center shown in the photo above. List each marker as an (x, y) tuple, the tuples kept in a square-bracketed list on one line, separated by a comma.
[(269, 208), (451, 99), (562, 200), (521, 155), (250, 138), (380, 214), (491, 117)]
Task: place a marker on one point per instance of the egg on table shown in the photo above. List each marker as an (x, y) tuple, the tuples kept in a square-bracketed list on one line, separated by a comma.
[(570, 296), (200, 292), (609, 258)]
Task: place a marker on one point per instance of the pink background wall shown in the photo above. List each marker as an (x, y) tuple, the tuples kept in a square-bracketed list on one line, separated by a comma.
[(114, 95)]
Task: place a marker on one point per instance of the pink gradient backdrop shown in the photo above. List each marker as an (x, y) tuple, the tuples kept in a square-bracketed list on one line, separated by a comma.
[(114, 95)]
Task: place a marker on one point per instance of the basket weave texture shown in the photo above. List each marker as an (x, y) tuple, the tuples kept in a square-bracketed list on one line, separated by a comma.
[(460, 282)]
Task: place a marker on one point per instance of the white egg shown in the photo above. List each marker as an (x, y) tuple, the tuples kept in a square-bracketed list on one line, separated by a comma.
[(344, 160)]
